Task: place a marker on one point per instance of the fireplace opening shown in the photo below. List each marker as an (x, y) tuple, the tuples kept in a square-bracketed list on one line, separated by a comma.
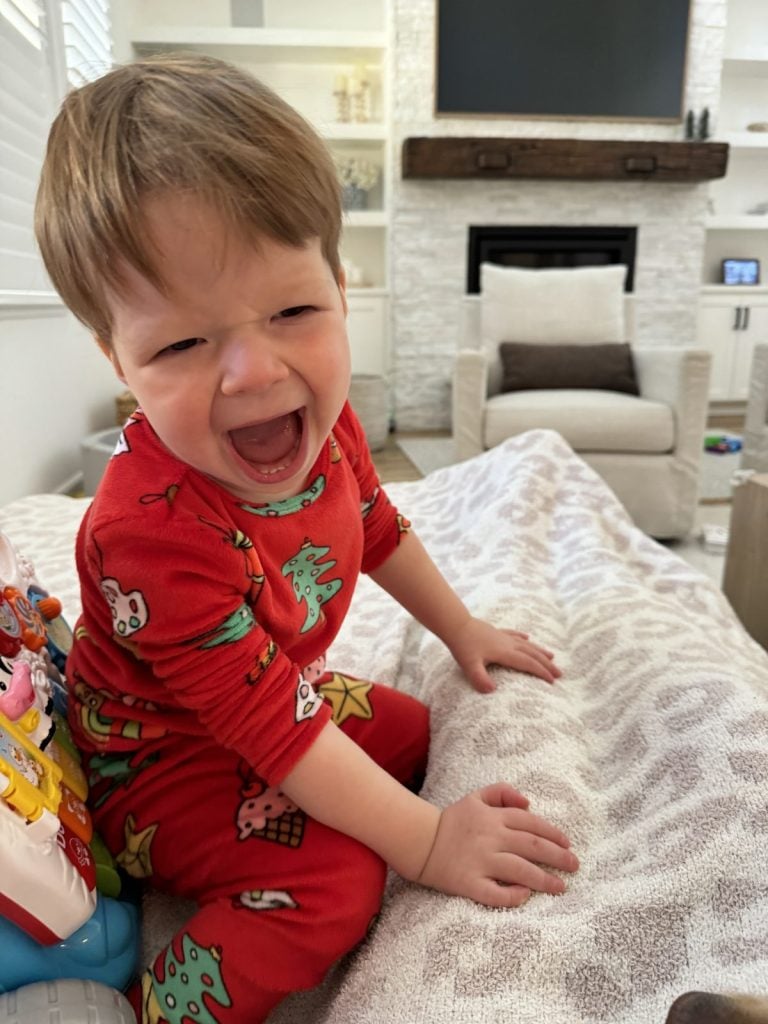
[(535, 248)]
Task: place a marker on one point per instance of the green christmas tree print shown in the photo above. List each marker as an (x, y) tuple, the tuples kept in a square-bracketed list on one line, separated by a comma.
[(306, 569), (179, 996)]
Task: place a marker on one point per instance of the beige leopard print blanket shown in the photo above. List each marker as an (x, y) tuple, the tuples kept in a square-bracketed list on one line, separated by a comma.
[(651, 752)]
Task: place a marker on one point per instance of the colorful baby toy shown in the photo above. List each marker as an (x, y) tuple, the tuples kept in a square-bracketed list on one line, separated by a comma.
[(54, 922)]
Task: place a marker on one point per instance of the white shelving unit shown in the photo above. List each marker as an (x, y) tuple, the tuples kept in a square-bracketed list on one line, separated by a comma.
[(732, 320), (299, 50)]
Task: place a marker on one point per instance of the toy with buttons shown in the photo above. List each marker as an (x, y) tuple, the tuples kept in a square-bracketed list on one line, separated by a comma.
[(60, 917)]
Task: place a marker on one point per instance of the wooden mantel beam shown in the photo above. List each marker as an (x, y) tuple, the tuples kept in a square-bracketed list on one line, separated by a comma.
[(585, 159)]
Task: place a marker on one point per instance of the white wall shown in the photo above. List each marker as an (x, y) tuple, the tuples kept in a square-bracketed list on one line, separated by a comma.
[(56, 388)]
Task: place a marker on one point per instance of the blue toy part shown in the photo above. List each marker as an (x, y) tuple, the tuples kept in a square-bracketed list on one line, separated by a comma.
[(72, 1001), (105, 949), (722, 444)]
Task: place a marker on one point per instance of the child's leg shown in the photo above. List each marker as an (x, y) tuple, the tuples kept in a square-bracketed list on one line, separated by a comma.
[(281, 896), (243, 952)]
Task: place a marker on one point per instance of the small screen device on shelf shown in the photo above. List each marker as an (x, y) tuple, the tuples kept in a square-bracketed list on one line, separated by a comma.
[(741, 271)]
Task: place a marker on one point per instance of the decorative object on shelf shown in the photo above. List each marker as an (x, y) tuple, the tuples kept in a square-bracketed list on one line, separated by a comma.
[(246, 13), (360, 95), (357, 176), (759, 209), (341, 95), (354, 274), (704, 131), (758, 126), (741, 271), (690, 125)]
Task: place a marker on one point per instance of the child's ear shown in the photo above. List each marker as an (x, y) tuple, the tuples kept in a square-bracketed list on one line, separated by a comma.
[(111, 355)]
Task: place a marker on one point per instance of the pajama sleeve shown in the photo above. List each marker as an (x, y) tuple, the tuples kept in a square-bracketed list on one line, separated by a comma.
[(181, 605), (383, 525)]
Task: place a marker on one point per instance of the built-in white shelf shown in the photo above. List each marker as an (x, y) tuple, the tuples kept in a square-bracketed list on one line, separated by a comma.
[(348, 131), (749, 64), (737, 222), (285, 45), (366, 218), (367, 293), (734, 289), (745, 140)]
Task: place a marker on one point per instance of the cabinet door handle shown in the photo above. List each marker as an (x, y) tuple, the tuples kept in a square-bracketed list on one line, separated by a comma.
[(745, 321), (737, 319)]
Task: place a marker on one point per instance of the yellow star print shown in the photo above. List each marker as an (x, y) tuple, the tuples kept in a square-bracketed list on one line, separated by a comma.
[(348, 697), (135, 859)]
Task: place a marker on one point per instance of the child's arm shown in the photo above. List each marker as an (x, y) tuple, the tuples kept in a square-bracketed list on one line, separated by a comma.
[(413, 579), (485, 839)]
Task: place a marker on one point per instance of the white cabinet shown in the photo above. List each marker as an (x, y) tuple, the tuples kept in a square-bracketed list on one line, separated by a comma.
[(737, 224), (731, 322), (367, 330), (308, 52)]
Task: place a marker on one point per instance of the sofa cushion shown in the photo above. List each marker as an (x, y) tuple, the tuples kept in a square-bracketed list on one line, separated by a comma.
[(590, 421), (606, 367), (577, 306)]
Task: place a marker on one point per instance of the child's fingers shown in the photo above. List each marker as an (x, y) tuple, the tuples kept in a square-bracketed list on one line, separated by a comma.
[(525, 659), (535, 850), (493, 894), (522, 823), (501, 794), (513, 870)]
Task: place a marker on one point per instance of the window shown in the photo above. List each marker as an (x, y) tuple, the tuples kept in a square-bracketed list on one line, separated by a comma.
[(46, 46)]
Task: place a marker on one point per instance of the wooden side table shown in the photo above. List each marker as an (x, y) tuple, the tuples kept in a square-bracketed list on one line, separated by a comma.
[(745, 579)]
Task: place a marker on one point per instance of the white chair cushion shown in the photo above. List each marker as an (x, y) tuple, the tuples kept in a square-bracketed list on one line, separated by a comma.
[(590, 421), (580, 305)]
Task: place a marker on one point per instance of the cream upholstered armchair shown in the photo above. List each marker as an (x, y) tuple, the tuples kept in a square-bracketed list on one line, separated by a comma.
[(646, 446), (755, 452)]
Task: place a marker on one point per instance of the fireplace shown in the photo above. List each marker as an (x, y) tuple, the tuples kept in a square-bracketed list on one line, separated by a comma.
[(540, 247)]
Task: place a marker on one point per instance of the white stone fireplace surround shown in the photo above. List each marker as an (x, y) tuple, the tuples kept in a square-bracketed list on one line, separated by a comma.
[(431, 218)]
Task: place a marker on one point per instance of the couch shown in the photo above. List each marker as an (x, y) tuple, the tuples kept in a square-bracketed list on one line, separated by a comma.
[(650, 753)]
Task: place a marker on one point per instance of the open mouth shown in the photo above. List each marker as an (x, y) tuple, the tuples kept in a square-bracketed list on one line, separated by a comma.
[(271, 448)]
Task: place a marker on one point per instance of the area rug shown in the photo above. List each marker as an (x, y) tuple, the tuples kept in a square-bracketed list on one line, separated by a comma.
[(717, 469), (428, 453)]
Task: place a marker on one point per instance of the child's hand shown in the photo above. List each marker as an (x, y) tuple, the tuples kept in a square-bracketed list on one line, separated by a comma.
[(489, 847), (477, 644)]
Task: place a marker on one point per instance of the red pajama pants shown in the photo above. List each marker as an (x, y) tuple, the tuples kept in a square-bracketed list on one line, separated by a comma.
[(281, 897)]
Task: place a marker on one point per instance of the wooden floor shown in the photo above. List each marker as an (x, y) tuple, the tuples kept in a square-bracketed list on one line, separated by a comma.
[(393, 464)]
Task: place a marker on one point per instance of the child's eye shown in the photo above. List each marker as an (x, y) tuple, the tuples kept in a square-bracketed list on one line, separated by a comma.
[(182, 346), (292, 311)]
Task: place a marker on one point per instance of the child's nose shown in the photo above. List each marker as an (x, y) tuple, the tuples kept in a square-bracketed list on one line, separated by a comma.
[(250, 362)]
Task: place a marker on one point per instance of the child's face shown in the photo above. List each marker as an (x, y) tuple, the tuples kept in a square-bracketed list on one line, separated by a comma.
[(242, 368)]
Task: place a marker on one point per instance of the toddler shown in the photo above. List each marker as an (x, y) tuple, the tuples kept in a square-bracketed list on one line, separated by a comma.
[(191, 220)]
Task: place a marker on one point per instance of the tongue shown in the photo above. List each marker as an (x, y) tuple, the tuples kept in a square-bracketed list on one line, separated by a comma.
[(267, 443)]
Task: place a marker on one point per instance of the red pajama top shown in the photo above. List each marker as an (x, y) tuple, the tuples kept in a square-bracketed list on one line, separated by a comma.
[(200, 610)]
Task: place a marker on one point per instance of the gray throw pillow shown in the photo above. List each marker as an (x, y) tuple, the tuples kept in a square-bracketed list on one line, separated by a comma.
[(606, 367)]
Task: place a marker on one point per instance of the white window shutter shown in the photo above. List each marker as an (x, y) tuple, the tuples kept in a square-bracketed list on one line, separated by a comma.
[(26, 105), (87, 39), (39, 39)]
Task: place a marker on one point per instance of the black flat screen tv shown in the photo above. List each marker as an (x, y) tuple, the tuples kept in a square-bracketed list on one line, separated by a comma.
[(612, 59)]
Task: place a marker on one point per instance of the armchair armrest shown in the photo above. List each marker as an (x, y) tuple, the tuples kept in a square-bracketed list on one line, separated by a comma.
[(679, 377), (470, 391), (755, 454), (757, 401)]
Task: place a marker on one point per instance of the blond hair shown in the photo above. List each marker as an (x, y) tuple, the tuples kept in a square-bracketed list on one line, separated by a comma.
[(183, 124)]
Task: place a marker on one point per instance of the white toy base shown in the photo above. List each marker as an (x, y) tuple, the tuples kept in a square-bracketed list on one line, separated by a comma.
[(72, 1001)]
